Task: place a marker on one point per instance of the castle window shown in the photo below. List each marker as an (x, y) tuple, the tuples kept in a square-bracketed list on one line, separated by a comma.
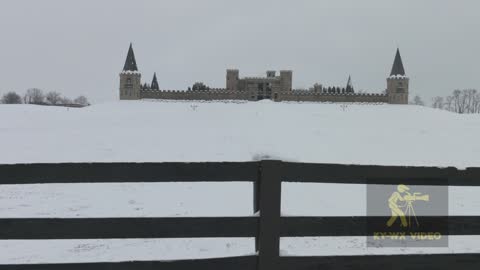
[(129, 83)]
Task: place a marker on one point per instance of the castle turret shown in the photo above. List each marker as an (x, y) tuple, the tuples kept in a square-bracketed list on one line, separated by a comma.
[(130, 78), (349, 88), (285, 80), (154, 85), (232, 79), (397, 83)]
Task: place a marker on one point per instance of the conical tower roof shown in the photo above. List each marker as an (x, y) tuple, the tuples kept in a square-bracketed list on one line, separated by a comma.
[(397, 68), (349, 84), (130, 63), (154, 85)]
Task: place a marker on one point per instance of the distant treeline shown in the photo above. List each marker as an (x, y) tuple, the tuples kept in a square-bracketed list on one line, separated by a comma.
[(460, 101), (38, 97)]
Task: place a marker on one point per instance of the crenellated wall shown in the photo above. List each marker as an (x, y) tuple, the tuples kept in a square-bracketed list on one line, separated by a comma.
[(330, 97), (212, 94), (223, 94)]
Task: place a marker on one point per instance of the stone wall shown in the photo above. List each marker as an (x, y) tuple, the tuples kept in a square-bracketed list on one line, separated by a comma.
[(212, 94), (223, 94), (330, 97)]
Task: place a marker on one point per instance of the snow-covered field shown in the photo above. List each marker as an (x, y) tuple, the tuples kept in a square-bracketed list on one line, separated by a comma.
[(196, 131)]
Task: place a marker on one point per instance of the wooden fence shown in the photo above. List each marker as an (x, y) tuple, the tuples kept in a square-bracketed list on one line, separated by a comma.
[(267, 227)]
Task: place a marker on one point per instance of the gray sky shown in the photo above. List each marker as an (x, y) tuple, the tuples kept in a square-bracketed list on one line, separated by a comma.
[(79, 47)]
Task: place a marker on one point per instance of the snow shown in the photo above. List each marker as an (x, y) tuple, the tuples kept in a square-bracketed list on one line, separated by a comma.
[(141, 131), (108, 250), (335, 246), (129, 72), (126, 200), (397, 76)]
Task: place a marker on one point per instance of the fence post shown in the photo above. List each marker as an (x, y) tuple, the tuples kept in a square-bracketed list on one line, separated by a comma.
[(267, 193), (256, 196)]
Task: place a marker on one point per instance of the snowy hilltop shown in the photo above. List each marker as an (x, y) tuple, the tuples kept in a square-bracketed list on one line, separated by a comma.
[(162, 131)]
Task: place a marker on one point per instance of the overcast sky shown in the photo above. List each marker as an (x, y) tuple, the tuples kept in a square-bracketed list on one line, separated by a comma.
[(79, 47)]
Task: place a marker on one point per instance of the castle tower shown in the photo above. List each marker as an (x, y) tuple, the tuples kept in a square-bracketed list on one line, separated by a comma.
[(130, 78), (154, 85), (349, 88), (232, 79), (285, 80), (397, 83)]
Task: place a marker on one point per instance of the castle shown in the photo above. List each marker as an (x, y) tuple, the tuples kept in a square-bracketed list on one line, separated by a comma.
[(274, 87)]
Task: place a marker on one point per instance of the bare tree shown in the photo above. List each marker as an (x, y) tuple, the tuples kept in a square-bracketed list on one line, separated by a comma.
[(470, 100), (53, 98), (476, 103), (11, 98), (65, 101), (417, 100), (461, 101), (34, 96), (449, 103), (438, 103), (81, 100)]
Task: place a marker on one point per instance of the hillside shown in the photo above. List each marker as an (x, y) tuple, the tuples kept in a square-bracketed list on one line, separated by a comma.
[(196, 131)]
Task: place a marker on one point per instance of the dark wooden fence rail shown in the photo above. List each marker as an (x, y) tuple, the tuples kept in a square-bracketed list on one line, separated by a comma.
[(267, 227)]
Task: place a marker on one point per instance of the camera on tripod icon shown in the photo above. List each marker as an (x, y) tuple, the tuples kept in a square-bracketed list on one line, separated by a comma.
[(417, 196)]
